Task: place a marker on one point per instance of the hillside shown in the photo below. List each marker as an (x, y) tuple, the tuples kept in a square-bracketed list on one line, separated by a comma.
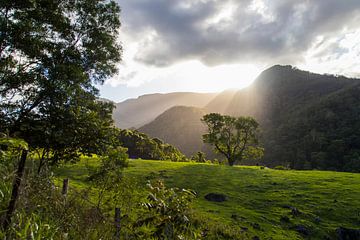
[(220, 103), (269, 204), (134, 113), (178, 126), (280, 97), (284, 89)]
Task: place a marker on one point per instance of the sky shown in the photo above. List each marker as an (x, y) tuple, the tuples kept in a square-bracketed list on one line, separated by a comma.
[(213, 45)]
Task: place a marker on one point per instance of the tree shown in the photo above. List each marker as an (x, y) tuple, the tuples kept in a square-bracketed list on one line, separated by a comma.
[(199, 157), (140, 145), (52, 52), (167, 211), (235, 138)]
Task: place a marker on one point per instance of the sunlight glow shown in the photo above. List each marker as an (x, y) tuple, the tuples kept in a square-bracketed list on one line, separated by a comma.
[(188, 76), (218, 77), (136, 78)]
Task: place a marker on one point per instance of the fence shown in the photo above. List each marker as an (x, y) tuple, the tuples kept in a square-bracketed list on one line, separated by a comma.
[(117, 215)]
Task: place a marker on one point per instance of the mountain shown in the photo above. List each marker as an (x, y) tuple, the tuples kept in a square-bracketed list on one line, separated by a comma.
[(179, 126), (105, 100), (307, 120), (221, 101), (134, 113)]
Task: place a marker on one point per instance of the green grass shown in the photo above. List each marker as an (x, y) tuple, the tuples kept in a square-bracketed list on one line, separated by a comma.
[(257, 198)]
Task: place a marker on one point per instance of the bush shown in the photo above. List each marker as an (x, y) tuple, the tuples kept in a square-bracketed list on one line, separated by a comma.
[(199, 157), (166, 214)]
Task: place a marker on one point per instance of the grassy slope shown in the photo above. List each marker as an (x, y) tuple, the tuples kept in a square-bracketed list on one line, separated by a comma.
[(258, 197)]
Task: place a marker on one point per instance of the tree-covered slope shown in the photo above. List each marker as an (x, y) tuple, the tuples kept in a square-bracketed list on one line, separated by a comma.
[(323, 135), (179, 126), (290, 105)]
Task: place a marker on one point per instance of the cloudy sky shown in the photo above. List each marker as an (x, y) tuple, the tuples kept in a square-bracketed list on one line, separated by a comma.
[(212, 45)]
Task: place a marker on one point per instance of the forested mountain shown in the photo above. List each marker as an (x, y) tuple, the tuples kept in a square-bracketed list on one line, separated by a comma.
[(294, 105), (179, 126), (322, 135), (134, 113), (308, 120)]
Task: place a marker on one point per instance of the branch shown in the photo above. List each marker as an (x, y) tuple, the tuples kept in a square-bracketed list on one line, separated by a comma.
[(24, 112), (245, 142), (221, 151)]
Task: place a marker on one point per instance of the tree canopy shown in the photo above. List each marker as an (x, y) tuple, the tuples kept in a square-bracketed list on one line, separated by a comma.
[(235, 138), (140, 145), (51, 55)]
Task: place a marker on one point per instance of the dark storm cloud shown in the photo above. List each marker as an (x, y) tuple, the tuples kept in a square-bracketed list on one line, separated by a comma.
[(281, 31)]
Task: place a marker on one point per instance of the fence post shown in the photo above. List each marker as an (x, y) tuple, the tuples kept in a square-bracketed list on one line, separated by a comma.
[(117, 223), (65, 186)]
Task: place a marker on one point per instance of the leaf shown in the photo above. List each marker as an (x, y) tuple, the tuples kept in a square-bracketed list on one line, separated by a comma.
[(14, 143)]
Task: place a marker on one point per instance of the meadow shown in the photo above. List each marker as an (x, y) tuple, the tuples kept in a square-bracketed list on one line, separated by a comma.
[(261, 203)]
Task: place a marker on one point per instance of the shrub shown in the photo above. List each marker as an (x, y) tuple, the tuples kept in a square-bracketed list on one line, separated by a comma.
[(166, 214)]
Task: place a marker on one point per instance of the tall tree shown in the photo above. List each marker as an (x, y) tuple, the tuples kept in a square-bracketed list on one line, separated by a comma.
[(235, 138), (52, 53)]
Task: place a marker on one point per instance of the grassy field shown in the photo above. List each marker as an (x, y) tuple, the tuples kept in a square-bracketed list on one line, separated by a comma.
[(260, 202)]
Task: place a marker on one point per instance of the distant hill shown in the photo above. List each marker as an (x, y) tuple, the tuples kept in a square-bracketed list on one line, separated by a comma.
[(134, 113), (292, 107), (179, 126), (105, 100), (220, 102)]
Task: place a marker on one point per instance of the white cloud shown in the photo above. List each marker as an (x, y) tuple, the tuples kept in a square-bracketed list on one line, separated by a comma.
[(335, 55), (196, 40)]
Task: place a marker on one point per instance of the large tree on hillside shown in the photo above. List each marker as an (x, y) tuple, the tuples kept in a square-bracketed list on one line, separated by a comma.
[(52, 52), (235, 138)]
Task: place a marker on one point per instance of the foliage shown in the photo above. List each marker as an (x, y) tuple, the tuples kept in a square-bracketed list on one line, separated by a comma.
[(199, 157), (324, 135), (9, 154), (87, 212), (11, 145), (107, 177), (166, 215), (233, 137), (139, 145), (44, 213), (51, 53)]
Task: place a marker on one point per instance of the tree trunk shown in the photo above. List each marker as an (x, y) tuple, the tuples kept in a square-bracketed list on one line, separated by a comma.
[(231, 162), (42, 162), (117, 223), (15, 189)]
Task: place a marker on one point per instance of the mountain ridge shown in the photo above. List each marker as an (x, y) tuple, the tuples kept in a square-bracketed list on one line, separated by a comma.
[(281, 99), (134, 113)]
